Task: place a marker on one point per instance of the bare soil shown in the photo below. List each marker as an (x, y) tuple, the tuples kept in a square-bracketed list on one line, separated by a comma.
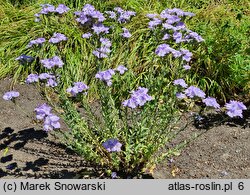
[(220, 150)]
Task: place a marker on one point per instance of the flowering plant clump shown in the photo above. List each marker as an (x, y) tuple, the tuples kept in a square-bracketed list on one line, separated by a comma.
[(135, 113)]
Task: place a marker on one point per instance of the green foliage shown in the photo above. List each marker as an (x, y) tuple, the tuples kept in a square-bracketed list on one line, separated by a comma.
[(220, 66)]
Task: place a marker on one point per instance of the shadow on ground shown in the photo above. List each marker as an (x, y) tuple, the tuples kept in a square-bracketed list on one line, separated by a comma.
[(29, 153)]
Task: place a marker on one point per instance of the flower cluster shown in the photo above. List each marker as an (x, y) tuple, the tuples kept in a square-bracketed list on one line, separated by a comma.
[(24, 59), (174, 30), (180, 82), (100, 28), (10, 95), (170, 20), (112, 145), (106, 75), (233, 108), (57, 37), (138, 98), (77, 88), (126, 33), (122, 16), (193, 91), (48, 8), (86, 35), (104, 50), (52, 62), (164, 49), (51, 121), (38, 41), (121, 69), (51, 79), (88, 15)]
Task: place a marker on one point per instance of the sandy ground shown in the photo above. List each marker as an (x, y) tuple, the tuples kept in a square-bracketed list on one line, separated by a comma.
[(220, 151)]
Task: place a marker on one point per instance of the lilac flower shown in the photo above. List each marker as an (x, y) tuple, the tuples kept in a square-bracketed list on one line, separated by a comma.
[(51, 122), (105, 76), (125, 16), (62, 9), (153, 23), (44, 76), (211, 102), (126, 33), (163, 49), (86, 35), (186, 67), (10, 94), (37, 17), (77, 88), (38, 41), (88, 9), (194, 35), (173, 19), (189, 14), (152, 15), (181, 95), (98, 15), (169, 26), (23, 59), (131, 103), (51, 62), (51, 82), (89, 15), (166, 36), (82, 19), (180, 26), (186, 55), (138, 98), (42, 111), (111, 14), (112, 145), (119, 10), (100, 28), (57, 37), (121, 69), (99, 54), (103, 51), (180, 82), (105, 42), (47, 8), (178, 37), (32, 78), (177, 11), (165, 14), (176, 53), (235, 108), (113, 175), (194, 91)]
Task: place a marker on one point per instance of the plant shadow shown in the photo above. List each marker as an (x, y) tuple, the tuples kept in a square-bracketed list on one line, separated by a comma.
[(40, 164), (207, 121)]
